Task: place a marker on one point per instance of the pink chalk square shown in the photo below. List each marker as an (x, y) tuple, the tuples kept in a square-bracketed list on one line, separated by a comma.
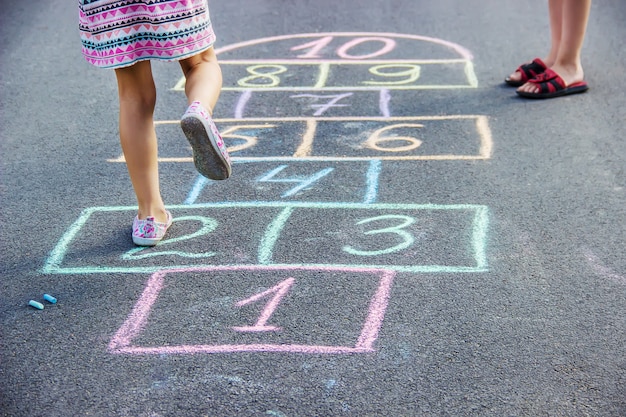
[(229, 309)]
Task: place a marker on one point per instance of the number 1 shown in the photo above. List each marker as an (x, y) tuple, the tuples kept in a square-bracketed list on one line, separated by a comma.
[(279, 292), (316, 47)]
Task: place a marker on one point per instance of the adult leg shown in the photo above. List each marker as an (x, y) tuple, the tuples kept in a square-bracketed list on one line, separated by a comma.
[(203, 78), (555, 9), (575, 15), (568, 61), (137, 96)]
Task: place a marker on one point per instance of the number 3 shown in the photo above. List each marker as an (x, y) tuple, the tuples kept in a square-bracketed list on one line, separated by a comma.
[(407, 238)]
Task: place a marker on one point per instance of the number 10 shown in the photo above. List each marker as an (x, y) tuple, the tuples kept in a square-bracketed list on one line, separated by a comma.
[(317, 46)]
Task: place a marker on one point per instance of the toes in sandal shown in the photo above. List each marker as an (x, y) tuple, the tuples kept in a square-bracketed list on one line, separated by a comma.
[(149, 232), (528, 71), (209, 151), (552, 85)]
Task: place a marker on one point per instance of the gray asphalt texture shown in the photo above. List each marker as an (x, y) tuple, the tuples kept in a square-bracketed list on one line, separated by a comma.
[(537, 329)]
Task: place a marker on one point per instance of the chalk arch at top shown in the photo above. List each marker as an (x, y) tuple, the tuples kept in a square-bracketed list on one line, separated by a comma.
[(347, 46), (347, 61)]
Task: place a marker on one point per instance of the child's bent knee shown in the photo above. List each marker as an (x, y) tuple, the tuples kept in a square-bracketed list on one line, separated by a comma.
[(208, 56)]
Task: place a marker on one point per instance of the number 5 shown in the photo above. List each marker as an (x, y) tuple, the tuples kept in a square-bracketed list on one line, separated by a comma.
[(249, 141)]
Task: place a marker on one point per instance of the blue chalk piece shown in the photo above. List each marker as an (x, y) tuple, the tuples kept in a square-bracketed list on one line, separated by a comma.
[(49, 298), (35, 304)]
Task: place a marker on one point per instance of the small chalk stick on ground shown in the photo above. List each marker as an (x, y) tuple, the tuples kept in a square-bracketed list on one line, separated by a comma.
[(49, 298), (35, 304)]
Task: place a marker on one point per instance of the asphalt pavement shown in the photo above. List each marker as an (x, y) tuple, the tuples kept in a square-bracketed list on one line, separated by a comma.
[(402, 235)]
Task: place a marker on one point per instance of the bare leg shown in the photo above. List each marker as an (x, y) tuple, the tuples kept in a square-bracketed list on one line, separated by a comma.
[(203, 85), (137, 95), (575, 15), (203, 79), (555, 8)]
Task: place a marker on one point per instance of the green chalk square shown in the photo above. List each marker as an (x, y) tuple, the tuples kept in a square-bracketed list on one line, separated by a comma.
[(402, 237)]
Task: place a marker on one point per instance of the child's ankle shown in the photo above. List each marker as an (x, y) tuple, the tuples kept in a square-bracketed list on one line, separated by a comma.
[(159, 214), (198, 103)]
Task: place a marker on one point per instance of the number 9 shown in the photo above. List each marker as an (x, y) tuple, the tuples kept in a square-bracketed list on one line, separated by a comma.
[(412, 73)]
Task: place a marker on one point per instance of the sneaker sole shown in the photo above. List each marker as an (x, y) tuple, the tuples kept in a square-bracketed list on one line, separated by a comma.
[(206, 154), (144, 241)]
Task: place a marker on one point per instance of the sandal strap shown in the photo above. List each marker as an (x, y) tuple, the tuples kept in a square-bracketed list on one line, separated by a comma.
[(549, 82), (532, 69)]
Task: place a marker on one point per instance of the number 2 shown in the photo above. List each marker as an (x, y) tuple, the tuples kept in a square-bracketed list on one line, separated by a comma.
[(208, 225)]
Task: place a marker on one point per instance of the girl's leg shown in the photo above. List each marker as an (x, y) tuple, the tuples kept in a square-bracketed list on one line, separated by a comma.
[(203, 85), (575, 15), (555, 9), (203, 78), (137, 95)]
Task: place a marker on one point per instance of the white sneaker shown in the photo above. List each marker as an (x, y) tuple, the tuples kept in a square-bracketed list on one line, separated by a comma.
[(209, 151), (149, 232)]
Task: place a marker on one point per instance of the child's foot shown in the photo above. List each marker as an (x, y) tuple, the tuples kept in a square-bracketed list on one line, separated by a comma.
[(149, 232), (209, 151)]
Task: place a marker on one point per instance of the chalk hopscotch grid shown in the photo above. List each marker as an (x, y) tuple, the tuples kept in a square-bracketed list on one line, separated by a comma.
[(463, 57), (121, 343), (370, 195), (325, 68), (479, 226), (484, 151)]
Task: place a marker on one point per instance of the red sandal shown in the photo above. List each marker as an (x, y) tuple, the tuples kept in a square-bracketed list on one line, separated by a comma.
[(552, 85), (529, 71)]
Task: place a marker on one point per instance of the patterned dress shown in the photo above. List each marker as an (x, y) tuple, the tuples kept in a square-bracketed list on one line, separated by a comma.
[(119, 33)]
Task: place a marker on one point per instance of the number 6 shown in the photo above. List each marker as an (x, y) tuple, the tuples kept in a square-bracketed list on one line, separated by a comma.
[(375, 139)]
